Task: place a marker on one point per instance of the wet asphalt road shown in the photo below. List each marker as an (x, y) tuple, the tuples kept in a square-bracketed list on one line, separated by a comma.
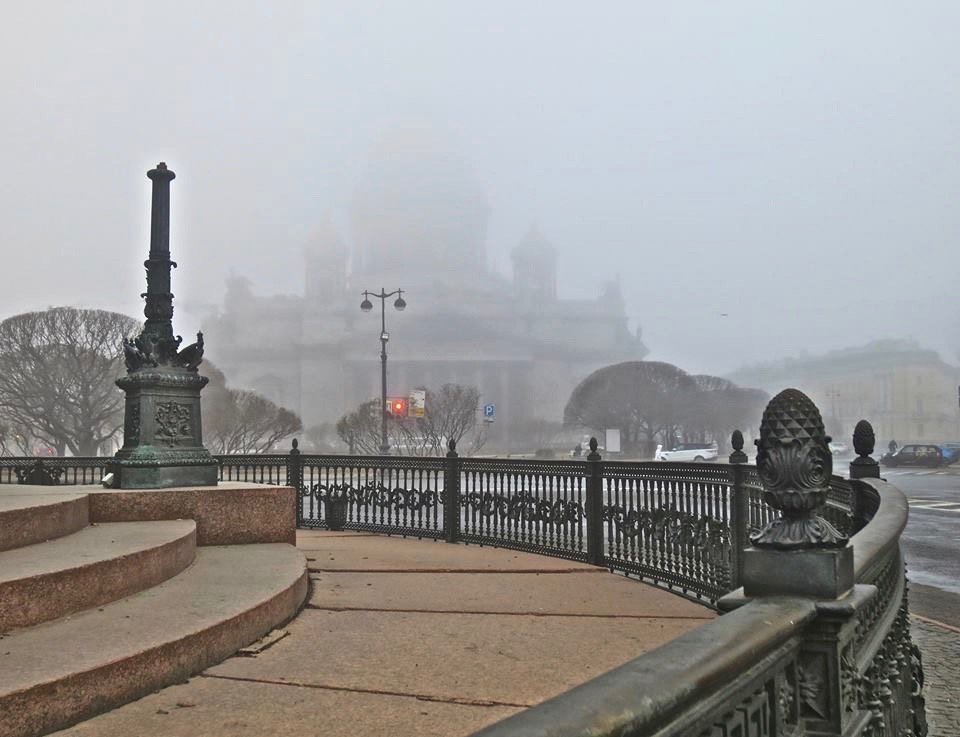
[(931, 542)]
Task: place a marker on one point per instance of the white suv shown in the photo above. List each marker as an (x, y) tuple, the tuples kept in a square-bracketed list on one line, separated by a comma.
[(696, 452)]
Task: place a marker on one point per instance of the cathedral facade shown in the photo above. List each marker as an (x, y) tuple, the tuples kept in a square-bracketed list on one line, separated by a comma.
[(419, 223)]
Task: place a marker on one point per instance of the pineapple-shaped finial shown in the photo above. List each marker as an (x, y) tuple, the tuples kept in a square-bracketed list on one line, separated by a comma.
[(795, 464)]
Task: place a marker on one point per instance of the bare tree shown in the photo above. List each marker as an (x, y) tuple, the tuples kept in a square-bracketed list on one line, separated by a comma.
[(451, 414), (645, 400), (15, 440), (251, 423), (650, 402), (57, 373), (708, 410), (360, 430), (718, 407)]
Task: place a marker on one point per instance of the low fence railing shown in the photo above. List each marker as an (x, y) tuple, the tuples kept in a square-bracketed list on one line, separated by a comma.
[(773, 666), (390, 494), (787, 662), (681, 526)]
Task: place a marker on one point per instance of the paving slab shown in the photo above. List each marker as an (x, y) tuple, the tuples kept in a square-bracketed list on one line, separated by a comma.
[(214, 707), (50, 490), (940, 645), (405, 636), (491, 658), (572, 593), (332, 551)]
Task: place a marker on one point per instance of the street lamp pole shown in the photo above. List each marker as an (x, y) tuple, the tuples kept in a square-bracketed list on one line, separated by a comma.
[(399, 304)]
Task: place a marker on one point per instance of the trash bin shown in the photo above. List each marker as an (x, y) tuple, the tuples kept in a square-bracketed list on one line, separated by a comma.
[(335, 512)]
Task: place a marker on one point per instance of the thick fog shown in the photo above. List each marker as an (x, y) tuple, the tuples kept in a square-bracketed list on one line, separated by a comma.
[(765, 178)]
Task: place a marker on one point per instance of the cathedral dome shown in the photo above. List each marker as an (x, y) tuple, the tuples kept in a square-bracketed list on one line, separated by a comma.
[(419, 208)]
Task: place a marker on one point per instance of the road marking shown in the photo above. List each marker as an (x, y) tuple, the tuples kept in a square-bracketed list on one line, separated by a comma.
[(933, 505), (888, 472), (930, 620)]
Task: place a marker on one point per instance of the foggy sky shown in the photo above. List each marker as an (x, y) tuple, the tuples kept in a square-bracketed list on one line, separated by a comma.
[(794, 165)]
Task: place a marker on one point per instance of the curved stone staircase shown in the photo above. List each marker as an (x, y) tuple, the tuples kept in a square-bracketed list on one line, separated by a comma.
[(94, 614)]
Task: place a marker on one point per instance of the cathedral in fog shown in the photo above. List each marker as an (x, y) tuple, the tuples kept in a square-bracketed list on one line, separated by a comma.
[(418, 221)]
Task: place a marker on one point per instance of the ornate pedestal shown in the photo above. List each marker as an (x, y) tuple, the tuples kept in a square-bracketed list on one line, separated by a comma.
[(163, 443)]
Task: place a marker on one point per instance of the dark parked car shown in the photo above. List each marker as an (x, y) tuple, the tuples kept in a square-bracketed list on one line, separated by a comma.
[(915, 455)]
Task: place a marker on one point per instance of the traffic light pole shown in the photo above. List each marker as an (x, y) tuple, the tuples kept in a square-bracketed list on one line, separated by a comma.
[(366, 306), (384, 445)]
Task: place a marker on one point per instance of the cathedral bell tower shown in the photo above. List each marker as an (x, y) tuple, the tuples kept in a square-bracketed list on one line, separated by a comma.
[(534, 269)]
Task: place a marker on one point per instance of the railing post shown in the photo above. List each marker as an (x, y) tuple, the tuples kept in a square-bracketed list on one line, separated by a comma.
[(863, 466), (800, 554), (451, 494), (594, 508), (739, 509), (295, 476)]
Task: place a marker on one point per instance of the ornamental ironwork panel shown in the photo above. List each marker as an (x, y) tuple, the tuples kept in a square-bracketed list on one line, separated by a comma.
[(672, 528), (39, 475), (64, 471), (537, 506), (381, 493), (254, 469)]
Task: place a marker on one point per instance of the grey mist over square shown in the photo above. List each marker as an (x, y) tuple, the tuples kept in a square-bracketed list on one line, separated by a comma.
[(763, 180)]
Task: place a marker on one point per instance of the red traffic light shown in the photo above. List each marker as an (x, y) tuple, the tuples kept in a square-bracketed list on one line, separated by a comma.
[(397, 406)]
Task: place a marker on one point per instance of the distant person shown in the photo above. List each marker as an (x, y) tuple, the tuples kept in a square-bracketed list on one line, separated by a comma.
[(893, 447), (577, 450)]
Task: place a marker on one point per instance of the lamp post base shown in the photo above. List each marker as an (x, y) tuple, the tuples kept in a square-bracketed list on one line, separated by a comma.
[(163, 446), (164, 470)]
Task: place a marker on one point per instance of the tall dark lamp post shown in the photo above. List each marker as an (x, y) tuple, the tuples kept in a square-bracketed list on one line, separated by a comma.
[(399, 304), (162, 439)]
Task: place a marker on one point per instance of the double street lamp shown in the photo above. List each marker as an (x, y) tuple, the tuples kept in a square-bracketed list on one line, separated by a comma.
[(399, 304)]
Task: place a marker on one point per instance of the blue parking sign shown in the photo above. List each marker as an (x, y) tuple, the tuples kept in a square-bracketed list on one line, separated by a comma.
[(489, 411)]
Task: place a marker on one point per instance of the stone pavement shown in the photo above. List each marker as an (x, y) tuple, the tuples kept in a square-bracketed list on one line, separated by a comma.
[(940, 645), (404, 637)]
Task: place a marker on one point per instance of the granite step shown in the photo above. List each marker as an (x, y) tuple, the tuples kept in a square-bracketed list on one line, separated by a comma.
[(27, 519), (94, 566), (61, 672)]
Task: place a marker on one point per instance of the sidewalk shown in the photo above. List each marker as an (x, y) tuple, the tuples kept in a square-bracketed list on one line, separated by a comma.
[(940, 645), (404, 637)]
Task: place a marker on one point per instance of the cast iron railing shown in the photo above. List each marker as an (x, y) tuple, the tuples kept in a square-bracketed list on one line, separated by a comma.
[(677, 525), (771, 667), (781, 666)]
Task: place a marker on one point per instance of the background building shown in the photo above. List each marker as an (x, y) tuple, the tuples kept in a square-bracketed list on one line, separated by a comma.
[(907, 393), (419, 222)]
